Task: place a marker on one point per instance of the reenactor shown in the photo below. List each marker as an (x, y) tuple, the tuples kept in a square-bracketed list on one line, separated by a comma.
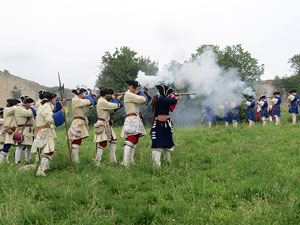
[(264, 109), (162, 127), (10, 126), (235, 114), (44, 144), (225, 108), (210, 116), (79, 127), (133, 127), (1, 129), (293, 107), (276, 100), (104, 132), (24, 115), (250, 110)]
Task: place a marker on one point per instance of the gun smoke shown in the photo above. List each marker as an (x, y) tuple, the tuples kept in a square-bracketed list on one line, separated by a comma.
[(213, 84)]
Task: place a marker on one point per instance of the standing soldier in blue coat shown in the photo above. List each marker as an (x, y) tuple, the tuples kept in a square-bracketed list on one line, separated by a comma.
[(276, 100), (292, 100), (250, 110), (225, 108), (235, 114), (162, 128), (210, 116), (264, 109)]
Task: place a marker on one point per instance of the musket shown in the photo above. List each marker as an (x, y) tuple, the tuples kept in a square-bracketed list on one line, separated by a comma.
[(177, 94), (64, 99), (119, 93), (61, 90)]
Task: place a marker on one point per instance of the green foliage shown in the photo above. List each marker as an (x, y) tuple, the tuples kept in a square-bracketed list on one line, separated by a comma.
[(236, 57), (290, 82), (220, 175), (121, 66), (6, 72), (295, 61)]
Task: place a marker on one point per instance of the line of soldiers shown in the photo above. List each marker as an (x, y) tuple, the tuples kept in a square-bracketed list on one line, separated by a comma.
[(231, 111), (31, 126)]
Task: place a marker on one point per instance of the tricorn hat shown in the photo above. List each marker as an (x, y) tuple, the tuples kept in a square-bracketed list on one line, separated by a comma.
[(250, 97), (78, 91), (293, 90), (41, 94), (276, 93), (262, 97), (133, 83), (13, 101), (48, 96), (26, 99), (1, 111), (108, 91), (164, 90)]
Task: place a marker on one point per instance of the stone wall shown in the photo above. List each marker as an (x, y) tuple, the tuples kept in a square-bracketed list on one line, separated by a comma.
[(12, 86), (267, 87)]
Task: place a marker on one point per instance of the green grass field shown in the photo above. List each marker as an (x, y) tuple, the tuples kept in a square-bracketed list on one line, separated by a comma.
[(220, 175)]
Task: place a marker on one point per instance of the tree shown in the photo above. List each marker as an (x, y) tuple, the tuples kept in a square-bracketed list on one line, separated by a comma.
[(236, 57), (116, 69), (290, 82), (295, 61), (121, 66)]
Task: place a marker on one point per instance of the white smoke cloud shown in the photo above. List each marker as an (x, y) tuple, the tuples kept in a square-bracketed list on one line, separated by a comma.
[(213, 84)]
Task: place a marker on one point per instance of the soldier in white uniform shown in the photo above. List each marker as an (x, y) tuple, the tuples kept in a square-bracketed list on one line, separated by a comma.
[(1, 128), (45, 120), (25, 115), (9, 126), (133, 127), (103, 128), (79, 126)]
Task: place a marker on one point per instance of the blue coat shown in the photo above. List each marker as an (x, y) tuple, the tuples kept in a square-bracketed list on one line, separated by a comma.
[(235, 113), (250, 111), (162, 132), (210, 114), (276, 107), (294, 106), (226, 114), (264, 110)]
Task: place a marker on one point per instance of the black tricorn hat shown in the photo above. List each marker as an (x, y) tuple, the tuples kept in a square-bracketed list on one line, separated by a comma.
[(133, 83), (293, 90), (250, 97), (108, 91), (262, 97), (13, 101), (41, 94), (276, 93), (48, 96), (26, 99), (164, 90), (1, 111), (78, 91)]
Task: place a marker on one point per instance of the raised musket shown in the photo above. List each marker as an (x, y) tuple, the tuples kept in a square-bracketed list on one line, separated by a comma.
[(186, 94)]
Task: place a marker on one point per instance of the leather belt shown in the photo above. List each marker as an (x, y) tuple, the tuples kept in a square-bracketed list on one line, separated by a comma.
[(79, 117), (132, 114), (22, 125), (168, 117), (8, 127), (40, 128)]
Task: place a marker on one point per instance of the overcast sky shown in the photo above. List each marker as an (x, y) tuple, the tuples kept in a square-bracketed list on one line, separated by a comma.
[(39, 37)]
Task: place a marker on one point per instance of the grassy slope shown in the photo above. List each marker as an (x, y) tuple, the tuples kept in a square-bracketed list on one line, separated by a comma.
[(218, 176)]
